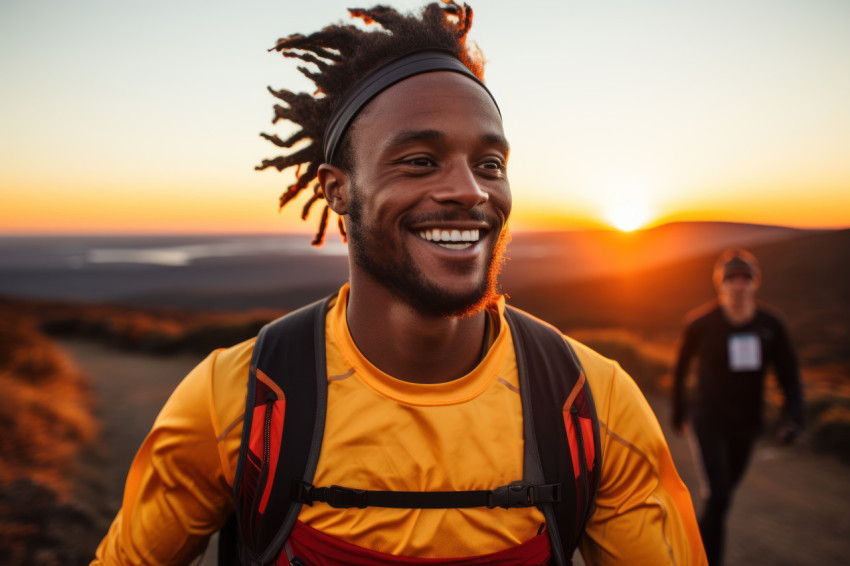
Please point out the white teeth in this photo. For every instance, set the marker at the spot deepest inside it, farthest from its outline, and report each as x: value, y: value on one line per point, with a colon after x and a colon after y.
x: 451, y: 239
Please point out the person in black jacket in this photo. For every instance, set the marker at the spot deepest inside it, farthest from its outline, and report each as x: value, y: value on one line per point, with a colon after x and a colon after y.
x: 735, y: 340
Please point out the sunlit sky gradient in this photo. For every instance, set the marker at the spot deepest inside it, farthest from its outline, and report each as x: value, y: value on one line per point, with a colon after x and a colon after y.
x: 144, y: 116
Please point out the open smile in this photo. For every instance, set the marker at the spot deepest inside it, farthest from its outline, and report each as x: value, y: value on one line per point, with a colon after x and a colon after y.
x: 451, y: 239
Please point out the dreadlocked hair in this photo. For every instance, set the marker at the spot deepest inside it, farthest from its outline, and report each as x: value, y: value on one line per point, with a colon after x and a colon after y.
x: 342, y: 55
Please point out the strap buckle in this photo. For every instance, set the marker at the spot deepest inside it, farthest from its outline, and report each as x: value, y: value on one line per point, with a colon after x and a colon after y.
x: 521, y: 494
x: 335, y: 495
x: 344, y: 497
x: 302, y: 492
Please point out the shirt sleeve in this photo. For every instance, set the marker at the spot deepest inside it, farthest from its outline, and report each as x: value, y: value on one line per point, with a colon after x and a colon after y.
x: 788, y: 374
x: 680, y: 373
x: 643, y: 513
x: 178, y: 491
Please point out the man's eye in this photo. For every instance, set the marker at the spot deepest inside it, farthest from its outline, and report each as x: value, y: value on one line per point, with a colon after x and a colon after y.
x: 420, y: 162
x: 493, y: 165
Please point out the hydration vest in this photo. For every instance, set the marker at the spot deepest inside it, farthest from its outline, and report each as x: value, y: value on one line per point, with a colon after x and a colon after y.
x: 284, y: 423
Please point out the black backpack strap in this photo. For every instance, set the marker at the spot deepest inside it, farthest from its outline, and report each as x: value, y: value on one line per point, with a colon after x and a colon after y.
x: 288, y: 380
x: 516, y: 494
x: 555, y: 399
x: 228, y: 547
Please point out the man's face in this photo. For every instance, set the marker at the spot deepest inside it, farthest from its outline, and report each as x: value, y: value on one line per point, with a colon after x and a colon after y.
x: 429, y: 195
x: 738, y: 289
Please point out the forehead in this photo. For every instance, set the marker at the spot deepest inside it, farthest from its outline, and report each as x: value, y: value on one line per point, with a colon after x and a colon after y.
x: 444, y: 101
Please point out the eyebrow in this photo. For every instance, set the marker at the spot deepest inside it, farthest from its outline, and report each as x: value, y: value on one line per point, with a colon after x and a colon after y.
x: 410, y: 136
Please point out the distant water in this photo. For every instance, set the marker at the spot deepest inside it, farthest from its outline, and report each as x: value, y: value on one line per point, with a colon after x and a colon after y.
x: 283, y: 270
x: 77, y: 252
x: 194, y: 271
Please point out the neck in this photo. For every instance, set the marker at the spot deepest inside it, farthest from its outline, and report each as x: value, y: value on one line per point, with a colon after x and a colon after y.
x: 406, y: 344
x: 738, y: 312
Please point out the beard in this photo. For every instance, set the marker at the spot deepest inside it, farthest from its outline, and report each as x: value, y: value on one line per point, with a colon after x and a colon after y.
x: 400, y: 275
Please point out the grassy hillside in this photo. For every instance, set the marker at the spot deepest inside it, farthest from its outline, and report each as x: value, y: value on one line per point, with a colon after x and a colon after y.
x: 153, y: 330
x: 45, y: 419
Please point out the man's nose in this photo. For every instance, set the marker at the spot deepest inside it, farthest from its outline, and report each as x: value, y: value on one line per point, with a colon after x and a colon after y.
x: 460, y: 186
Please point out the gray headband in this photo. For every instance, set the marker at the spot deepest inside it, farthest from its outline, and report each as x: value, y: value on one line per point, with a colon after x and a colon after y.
x: 381, y: 79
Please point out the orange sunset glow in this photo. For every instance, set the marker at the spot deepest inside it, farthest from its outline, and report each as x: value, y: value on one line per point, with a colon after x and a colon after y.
x: 153, y: 291
x: 631, y: 119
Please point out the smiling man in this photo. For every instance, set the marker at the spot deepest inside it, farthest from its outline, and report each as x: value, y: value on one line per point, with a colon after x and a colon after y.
x: 426, y: 206
x: 413, y: 417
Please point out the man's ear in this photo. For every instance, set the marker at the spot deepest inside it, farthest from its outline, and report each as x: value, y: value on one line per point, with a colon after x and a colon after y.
x: 336, y: 186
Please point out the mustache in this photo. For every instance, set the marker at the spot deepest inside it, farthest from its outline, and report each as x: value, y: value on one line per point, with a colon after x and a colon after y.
x: 478, y: 215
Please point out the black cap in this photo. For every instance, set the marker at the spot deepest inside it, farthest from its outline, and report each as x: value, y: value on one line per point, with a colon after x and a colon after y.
x: 738, y: 267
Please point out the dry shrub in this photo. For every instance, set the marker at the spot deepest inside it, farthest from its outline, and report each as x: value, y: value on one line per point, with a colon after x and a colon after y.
x: 830, y: 431
x: 826, y: 417
x: 647, y: 362
x: 45, y: 418
x: 141, y: 329
x: 45, y: 409
x: 827, y: 380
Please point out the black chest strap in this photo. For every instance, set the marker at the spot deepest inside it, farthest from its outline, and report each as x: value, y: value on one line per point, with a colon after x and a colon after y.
x: 516, y: 494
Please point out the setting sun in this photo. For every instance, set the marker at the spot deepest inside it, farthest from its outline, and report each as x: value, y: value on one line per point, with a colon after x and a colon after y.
x: 628, y: 215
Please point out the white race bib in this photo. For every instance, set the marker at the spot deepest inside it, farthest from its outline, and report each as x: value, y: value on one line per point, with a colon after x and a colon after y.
x: 744, y: 352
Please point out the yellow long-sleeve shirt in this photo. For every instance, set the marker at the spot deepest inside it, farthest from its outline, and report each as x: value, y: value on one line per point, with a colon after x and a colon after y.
x: 386, y: 434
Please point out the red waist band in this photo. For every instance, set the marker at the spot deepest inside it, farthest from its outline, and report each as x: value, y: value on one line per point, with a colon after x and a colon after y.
x: 318, y: 549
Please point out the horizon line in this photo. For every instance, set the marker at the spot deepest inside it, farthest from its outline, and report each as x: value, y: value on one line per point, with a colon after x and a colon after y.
x: 330, y: 238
